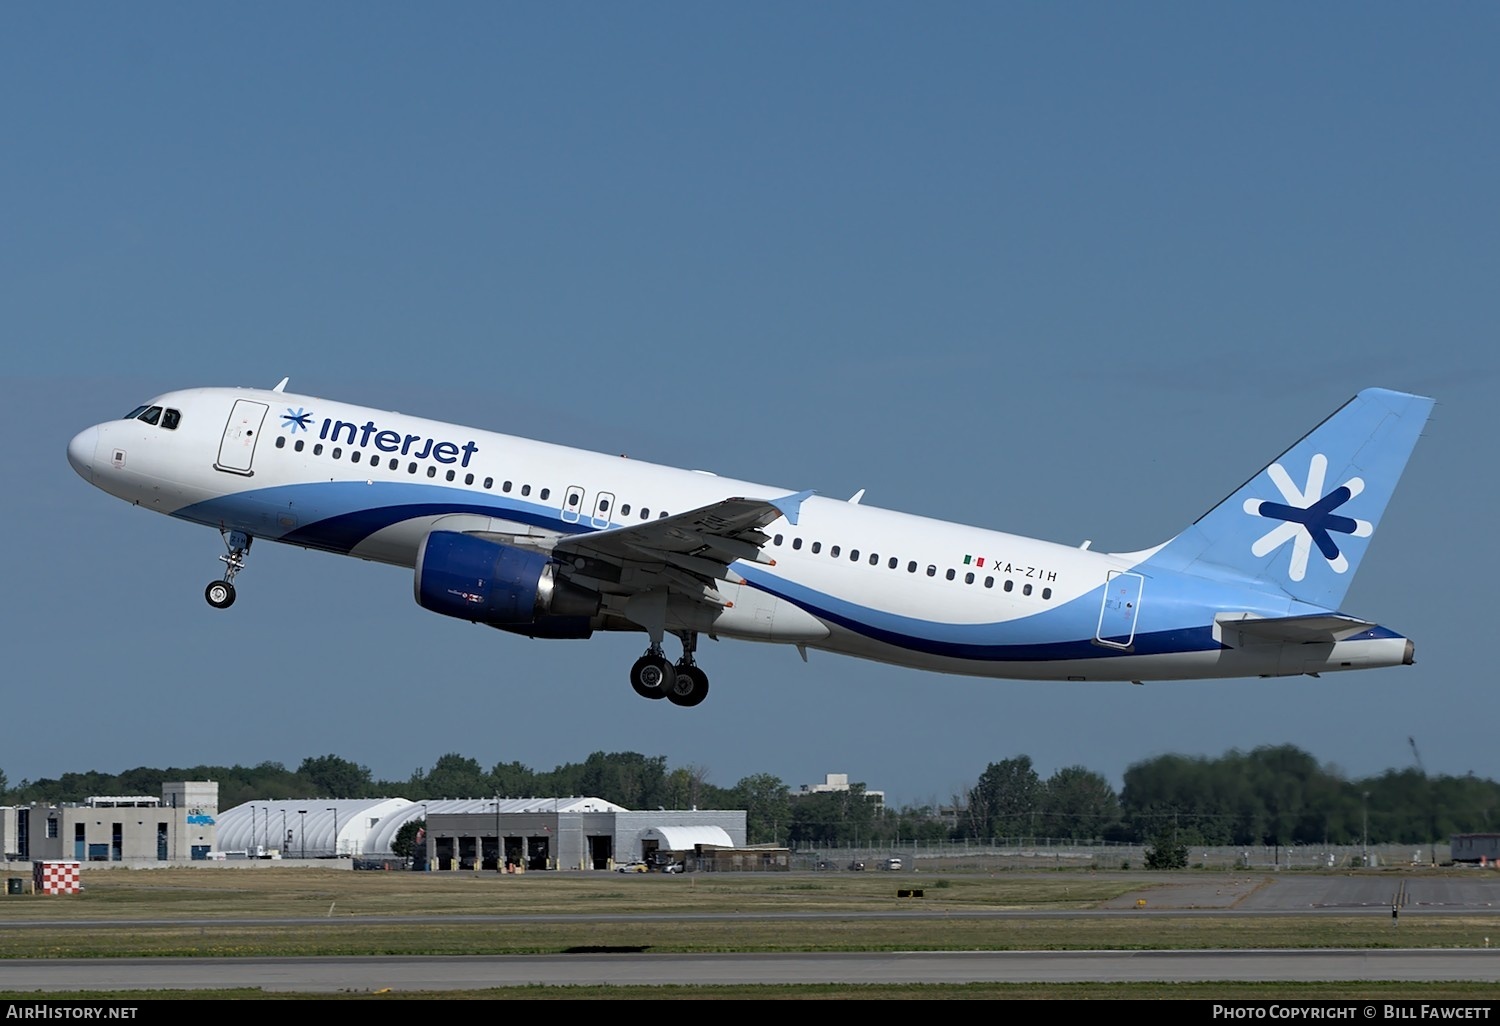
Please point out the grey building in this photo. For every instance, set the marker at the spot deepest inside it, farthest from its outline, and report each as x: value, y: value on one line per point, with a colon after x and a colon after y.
x: 570, y: 833
x: 178, y: 826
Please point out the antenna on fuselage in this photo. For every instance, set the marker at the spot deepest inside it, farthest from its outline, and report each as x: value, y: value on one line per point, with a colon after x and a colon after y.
x: 281, y: 385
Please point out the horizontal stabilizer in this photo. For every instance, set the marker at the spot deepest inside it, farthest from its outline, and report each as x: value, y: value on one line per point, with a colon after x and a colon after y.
x: 1323, y: 628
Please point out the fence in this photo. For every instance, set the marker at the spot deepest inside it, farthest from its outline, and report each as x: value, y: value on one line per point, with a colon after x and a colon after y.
x: 1046, y: 853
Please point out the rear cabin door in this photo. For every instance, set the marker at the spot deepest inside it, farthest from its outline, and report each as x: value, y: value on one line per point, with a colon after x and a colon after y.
x: 1120, y: 609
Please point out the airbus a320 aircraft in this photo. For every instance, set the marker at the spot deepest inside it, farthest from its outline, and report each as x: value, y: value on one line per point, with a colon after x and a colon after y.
x: 553, y: 542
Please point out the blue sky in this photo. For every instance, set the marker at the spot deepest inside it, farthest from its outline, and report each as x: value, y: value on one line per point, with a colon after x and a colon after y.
x: 1068, y: 270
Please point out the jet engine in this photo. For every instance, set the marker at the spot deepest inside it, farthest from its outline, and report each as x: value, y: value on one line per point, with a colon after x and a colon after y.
x: 517, y: 590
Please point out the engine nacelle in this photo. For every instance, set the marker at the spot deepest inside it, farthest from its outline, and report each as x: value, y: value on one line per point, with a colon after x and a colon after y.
x: 481, y: 581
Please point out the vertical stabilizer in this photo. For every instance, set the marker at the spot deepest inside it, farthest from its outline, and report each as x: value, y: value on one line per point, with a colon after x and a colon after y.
x: 1303, y: 523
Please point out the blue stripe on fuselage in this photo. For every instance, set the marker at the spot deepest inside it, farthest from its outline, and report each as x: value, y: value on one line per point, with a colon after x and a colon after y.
x: 1071, y: 626
x: 337, y: 515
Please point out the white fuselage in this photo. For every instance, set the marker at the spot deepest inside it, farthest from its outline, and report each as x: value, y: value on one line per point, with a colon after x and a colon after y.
x: 846, y: 577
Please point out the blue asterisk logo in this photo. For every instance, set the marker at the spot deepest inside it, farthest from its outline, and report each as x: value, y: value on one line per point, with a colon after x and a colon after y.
x: 1307, y: 517
x: 296, y: 420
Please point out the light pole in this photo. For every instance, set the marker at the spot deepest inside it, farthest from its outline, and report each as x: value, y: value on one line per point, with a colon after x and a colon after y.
x: 1365, y: 827
x: 303, y: 821
x: 499, y: 867
x: 252, y: 829
x: 286, y: 835
x: 335, y: 811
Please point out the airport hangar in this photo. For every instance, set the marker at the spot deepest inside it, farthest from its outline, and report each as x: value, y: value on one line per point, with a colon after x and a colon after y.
x: 533, y: 833
x: 471, y: 833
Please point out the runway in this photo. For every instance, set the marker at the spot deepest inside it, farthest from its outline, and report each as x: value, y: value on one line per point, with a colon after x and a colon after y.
x: 325, y: 975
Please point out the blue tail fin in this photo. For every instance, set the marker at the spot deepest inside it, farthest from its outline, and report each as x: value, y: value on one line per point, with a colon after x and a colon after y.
x: 1303, y: 523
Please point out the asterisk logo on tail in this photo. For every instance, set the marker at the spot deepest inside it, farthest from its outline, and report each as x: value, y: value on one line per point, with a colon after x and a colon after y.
x: 1307, y: 517
x: 296, y: 419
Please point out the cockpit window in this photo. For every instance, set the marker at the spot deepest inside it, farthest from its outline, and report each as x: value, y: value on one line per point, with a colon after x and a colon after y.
x: 151, y: 416
x: 170, y: 418
x: 134, y: 413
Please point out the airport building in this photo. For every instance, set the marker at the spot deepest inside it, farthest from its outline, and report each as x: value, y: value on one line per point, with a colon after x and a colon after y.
x: 574, y: 833
x: 177, y: 827
x: 467, y: 833
x: 515, y: 834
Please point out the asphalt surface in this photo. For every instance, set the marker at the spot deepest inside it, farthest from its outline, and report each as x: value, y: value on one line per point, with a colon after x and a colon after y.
x: 1247, y: 894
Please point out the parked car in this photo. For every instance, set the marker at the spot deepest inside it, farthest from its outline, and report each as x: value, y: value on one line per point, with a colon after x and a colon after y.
x: 856, y: 866
x: 893, y: 864
x: 632, y: 867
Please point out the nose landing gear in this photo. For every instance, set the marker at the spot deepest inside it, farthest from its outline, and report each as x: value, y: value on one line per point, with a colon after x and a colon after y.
x: 220, y: 594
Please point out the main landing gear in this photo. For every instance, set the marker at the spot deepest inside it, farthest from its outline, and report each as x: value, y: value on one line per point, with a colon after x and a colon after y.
x: 220, y: 594
x: 684, y: 684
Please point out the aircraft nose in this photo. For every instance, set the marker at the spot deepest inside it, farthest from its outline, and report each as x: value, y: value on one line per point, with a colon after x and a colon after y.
x: 81, y: 452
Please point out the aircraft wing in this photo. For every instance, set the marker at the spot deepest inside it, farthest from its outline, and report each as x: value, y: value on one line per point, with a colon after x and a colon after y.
x: 686, y: 552
x: 1324, y: 628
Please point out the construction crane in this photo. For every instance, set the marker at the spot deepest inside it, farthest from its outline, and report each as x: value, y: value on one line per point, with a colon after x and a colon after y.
x: 1416, y: 755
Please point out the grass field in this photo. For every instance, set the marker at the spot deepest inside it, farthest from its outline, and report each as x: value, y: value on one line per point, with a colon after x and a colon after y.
x: 309, y: 911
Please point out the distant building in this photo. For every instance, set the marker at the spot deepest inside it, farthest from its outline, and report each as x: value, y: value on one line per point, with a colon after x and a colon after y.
x: 1474, y: 847
x: 178, y: 826
x: 477, y: 833
x: 840, y: 782
x: 574, y: 833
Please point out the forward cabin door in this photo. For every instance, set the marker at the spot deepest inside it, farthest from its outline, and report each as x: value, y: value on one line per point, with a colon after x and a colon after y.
x: 237, y: 449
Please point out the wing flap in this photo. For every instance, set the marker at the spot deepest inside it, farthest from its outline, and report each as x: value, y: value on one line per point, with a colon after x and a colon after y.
x: 687, y: 551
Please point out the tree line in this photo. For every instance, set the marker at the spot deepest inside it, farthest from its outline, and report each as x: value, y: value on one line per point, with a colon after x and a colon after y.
x: 1271, y: 795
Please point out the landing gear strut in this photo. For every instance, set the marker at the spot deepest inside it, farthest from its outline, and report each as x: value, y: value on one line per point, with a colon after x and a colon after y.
x: 691, y: 684
x: 684, y: 684
x: 220, y: 594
